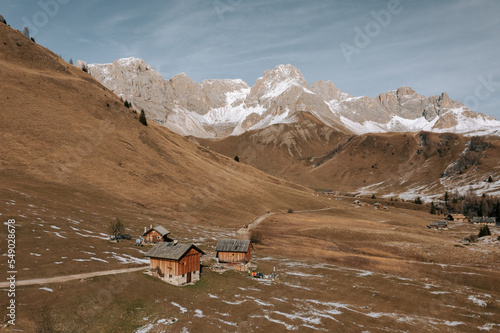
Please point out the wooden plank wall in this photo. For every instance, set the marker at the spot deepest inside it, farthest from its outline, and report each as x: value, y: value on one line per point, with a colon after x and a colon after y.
x: 152, y: 237
x: 234, y: 257
x: 189, y: 263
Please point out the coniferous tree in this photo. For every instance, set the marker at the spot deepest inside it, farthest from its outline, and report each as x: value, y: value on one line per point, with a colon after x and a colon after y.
x: 116, y: 227
x: 71, y: 61
x: 142, y: 118
x: 2, y: 19
x: 484, y: 231
x: 236, y: 158
x: 433, y: 209
x: 490, y: 179
x: 26, y: 32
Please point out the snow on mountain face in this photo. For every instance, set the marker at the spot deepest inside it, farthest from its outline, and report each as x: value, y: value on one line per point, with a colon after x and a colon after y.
x: 219, y: 108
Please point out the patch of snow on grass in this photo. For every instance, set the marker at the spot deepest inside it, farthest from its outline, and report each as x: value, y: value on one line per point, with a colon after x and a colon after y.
x: 287, y: 326
x: 477, y: 301
x: 364, y: 273
x: 260, y: 302
x: 304, y: 274
x: 295, y: 286
x: 487, y: 327
x: 235, y: 303
x: 99, y: 259
x: 227, y: 322
x: 453, y: 323
x: 309, y: 320
x: 181, y: 308
x: 128, y: 259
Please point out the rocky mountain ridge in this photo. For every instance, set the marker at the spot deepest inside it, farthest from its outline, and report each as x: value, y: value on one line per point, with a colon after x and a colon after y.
x: 221, y: 108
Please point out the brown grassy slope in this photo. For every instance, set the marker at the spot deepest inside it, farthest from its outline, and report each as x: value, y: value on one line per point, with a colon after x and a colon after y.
x: 61, y: 126
x: 393, y: 241
x: 278, y: 148
x: 306, y: 152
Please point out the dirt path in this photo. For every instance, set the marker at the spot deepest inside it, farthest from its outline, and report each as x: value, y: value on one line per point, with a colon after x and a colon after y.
x: 312, y: 210
x: 72, y: 277
x: 245, y: 232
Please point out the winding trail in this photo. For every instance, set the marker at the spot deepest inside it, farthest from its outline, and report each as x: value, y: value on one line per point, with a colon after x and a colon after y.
x: 245, y: 232
x: 66, y: 278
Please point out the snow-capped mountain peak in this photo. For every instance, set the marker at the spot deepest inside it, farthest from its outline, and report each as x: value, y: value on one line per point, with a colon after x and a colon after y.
x: 218, y: 108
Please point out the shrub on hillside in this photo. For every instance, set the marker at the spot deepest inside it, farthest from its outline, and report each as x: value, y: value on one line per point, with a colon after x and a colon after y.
x: 255, y: 237
x: 290, y: 211
x: 484, y: 231
x: 116, y: 227
x: 26, y: 32
x: 469, y: 239
x: 2, y: 19
x: 142, y: 118
x: 433, y: 209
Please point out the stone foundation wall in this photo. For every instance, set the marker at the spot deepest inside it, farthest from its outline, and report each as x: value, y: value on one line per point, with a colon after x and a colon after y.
x: 179, y: 280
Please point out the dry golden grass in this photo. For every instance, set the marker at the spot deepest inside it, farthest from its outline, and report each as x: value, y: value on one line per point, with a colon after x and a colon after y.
x: 289, y: 151
x: 394, y: 241
x: 74, y: 158
x: 61, y: 127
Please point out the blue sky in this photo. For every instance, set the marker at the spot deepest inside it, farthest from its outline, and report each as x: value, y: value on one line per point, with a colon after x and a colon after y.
x: 364, y: 47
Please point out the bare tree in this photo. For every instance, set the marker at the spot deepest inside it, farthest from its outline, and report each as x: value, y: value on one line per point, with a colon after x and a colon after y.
x: 26, y: 32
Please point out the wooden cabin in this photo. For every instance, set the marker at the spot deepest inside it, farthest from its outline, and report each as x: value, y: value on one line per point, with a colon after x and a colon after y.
x: 485, y: 220
x: 177, y: 264
x: 438, y: 225
x: 456, y: 217
x: 155, y: 234
x: 234, y: 253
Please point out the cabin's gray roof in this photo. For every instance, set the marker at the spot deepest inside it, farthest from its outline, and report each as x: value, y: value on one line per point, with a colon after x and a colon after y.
x: 484, y: 219
x: 170, y: 250
x: 159, y: 229
x: 438, y: 222
x: 232, y: 245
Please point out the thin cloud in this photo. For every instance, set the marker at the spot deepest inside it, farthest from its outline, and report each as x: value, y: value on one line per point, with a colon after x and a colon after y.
x: 431, y: 46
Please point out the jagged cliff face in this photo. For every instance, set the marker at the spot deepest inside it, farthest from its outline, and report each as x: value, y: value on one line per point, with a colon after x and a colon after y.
x: 221, y: 108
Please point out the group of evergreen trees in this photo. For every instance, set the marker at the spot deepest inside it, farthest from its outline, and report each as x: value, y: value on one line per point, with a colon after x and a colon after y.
x: 472, y: 205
